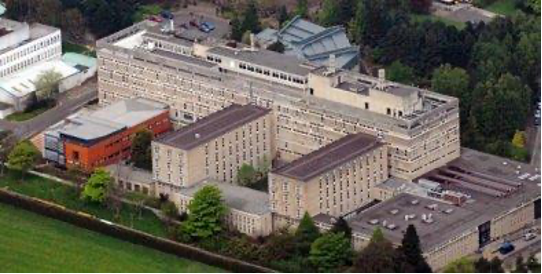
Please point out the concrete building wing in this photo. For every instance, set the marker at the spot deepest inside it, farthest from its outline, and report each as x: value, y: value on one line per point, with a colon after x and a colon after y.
x: 212, y: 126
x: 237, y: 197
x: 329, y: 157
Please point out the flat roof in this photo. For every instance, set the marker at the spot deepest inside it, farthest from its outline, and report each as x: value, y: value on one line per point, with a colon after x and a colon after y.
x: 329, y: 157
x: 264, y: 58
x: 23, y: 82
x: 126, y: 172
x: 237, y: 197
x: 213, y: 126
x: 478, y: 209
x: 113, y: 118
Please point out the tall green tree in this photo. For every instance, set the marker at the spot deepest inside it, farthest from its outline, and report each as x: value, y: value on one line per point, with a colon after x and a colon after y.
x: 462, y: 265
x: 482, y: 265
x: 302, y: 8
x: 330, y: 251
x: 251, y: 20
x: 341, y: 226
x: 282, y: 15
x: 378, y: 256
x: 141, y: 155
x: 450, y: 81
x: 502, y: 106
x: 520, y: 266
x: 400, y: 73
x: 23, y: 157
x: 236, y: 29
x: 306, y: 233
x: 47, y: 84
x: 206, y: 211
x: 7, y: 142
x: 246, y: 175
x: 411, y: 249
x: 329, y: 15
x: 98, y: 186
x: 371, y: 22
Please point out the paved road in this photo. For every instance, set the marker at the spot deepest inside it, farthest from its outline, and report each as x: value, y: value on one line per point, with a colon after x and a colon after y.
x: 535, y: 158
x: 68, y: 103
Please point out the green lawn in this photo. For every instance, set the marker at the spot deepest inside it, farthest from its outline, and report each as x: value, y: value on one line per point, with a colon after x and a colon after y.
x: 71, y: 47
x: 27, y: 115
x: 426, y: 17
x: 503, y: 7
x: 33, y: 243
x: 67, y: 196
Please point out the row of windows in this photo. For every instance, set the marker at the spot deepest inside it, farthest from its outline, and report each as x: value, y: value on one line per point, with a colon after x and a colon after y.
x: 274, y: 74
x: 28, y: 50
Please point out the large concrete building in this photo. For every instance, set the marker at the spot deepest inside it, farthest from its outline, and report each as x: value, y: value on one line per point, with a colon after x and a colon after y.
x: 22, y: 45
x: 311, y: 106
x: 333, y: 180
x: 214, y: 147
x: 495, y: 201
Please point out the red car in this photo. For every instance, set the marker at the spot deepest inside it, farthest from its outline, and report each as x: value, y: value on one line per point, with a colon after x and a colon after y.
x: 155, y: 18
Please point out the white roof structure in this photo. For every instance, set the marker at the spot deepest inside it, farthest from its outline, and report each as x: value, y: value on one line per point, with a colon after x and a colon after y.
x: 113, y: 118
x: 23, y: 83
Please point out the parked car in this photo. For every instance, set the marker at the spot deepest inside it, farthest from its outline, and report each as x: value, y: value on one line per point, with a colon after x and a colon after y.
x: 506, y: 248
x: 209, y: 25
x: 166, y: 14
x: 155, y: 18
x: 204, y: 28
x: 529, y: 236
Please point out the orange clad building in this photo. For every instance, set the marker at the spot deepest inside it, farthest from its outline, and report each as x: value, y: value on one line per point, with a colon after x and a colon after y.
x: 105, y: 136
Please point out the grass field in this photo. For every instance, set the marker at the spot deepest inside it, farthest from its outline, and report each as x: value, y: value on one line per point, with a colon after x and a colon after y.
x: 424, y: 17
x: 67, y: 196
x: 503, y: 7
x: 27, y: 115
x: 33, y: 243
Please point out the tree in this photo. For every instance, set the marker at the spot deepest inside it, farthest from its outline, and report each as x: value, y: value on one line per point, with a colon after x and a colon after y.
x: 496, y: 265
x: 400, y: 73
x: 97, y: 187
x: 533, y: 264
x: 330, y: 251
x: 341, y: 226
x: 47, y: 84
x: 48, y: 12
x: 73, y: 24
x: 277, y: 47
x: 520, y: 267
x: 246, y: 175
x: 412, y: 251
x: 421, y: 6
x: 251, y: 20
x: 378, y: 256
x: 282, y: 15
x: 462, y: 265
x: 141, y: 155
x: 329, y: 15
x: 450, y: 81
x: 502, y: 106
x: 7, y: 142
x: 371, y: 22
x: 23, y: 157
x: 519, y: 139
x: 236, y: 29
x: 206, y: 210
x: 302, y: 8
x: 169, y: 209
x: 306, y: 234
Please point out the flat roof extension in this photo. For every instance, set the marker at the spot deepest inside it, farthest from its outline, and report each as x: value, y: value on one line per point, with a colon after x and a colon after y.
x: 213, y: 126
x: 329, y: 157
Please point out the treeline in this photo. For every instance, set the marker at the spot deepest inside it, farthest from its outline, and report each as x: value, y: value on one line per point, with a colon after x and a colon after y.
x: 100, y: 17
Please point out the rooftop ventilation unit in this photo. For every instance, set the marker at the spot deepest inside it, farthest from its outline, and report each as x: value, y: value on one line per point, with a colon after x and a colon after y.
x: 374, y: 222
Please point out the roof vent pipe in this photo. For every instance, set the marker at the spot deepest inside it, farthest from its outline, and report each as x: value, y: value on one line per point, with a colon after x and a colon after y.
x: 252, y: 42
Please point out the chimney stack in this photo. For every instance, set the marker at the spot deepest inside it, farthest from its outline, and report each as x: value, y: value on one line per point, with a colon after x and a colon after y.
x: 332, y: 63
x: 381, y: 78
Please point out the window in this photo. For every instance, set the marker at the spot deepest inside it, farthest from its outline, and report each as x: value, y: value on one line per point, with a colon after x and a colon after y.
x: 366, y: 105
